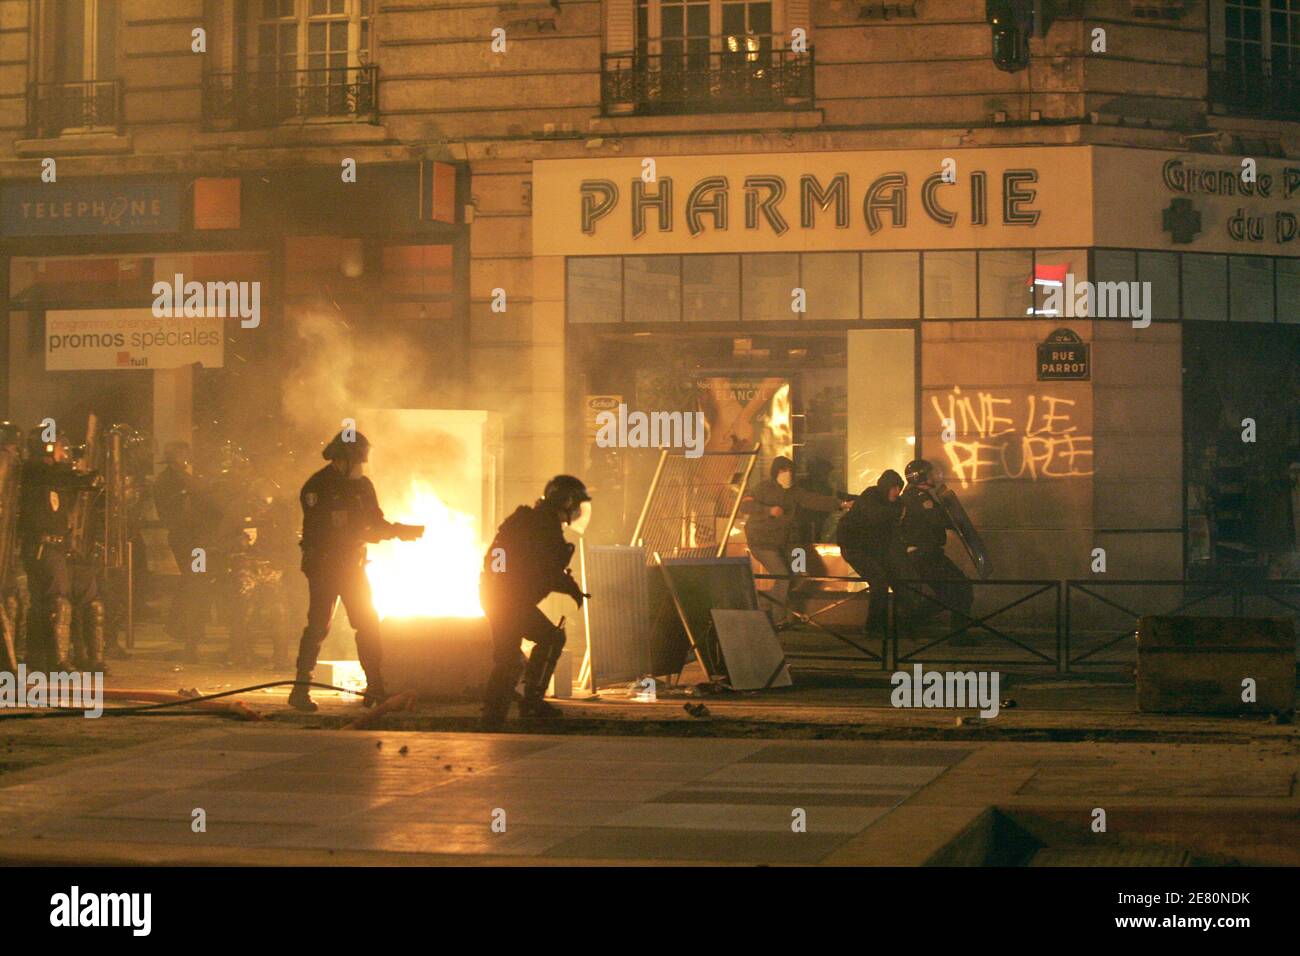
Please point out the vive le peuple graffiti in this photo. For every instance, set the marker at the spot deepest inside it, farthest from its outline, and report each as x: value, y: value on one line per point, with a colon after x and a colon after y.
x: 991, y: 438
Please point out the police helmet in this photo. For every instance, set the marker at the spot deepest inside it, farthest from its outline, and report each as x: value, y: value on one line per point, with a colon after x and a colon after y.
x: 919, y: 471
x: 38, y: 447
x: 10, y: 434
x: 347, y: 445
x: 565, y: 493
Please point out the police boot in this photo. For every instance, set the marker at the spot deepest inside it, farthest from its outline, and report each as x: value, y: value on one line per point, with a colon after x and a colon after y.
x: 376, y: 692
x: 537, y: 676
x: 92, y: 637
x: 61, y: 634
x: 500, y: 693
x: 300, y: 696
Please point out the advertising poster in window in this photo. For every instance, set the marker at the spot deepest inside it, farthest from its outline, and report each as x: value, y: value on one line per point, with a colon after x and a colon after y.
x: 81, y: 339
x: 743, y: 410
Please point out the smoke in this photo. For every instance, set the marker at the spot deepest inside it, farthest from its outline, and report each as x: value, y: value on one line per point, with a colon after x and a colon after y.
x: 334, y: 371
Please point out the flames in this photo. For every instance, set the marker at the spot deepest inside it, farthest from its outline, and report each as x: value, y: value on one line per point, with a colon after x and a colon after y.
x: 436, y: 576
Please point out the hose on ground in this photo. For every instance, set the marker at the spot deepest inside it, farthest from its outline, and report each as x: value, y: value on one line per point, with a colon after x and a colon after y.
x: 179, y: 702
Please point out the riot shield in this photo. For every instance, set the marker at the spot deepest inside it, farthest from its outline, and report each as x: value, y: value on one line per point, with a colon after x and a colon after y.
x: 943, y: 496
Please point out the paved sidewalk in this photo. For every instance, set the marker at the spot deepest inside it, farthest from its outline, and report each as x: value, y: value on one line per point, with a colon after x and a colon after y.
x: 275, y: 796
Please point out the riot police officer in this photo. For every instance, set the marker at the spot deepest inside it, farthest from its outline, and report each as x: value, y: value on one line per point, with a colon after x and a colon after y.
x: 923, y: 531
x: 527, y: 560
x: 48, y: 488
x: 340, y: 514
x: 189, y: 512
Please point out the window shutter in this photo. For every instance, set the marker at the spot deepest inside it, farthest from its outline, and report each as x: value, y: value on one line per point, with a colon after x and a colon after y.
x: 619, y: 18
x: 797, y: 15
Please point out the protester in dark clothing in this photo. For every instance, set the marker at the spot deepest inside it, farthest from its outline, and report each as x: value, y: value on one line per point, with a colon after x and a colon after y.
x: 868, y: 540
x: 769, y: 529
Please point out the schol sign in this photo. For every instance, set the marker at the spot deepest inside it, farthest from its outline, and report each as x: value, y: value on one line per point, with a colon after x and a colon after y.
x: 89, y: 208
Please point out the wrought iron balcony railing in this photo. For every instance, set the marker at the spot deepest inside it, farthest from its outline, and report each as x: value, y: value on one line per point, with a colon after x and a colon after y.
x: 81, y: 106
x: 1255, y: 89
x: 726, y: 74
x: 258, y: 100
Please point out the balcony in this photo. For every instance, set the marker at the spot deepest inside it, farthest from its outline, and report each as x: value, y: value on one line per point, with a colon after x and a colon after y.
x: 717, y: 78
x: 260, y: 100
x: 81, y: 106
x: 1268, y: 90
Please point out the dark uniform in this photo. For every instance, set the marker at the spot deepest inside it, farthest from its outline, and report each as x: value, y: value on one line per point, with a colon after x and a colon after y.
x: 56, y: 587
x: 868, y: 540
x: 191, y: 518
x: 260, y: 555
x: 340, y: 515
x: 527, y: 560
x: 923, y: 531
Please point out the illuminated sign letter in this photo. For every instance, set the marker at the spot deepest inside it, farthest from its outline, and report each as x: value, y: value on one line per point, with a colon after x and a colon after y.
x: 698, y: 204
x: 775, y: 187
x: 812, y: 196
x: 888, y: 192
x: 599, y: 197
x: 930, y: 202
x: 661, y: 201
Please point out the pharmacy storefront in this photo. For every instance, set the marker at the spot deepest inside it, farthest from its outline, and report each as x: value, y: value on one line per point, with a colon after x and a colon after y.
x: 1022, y: 316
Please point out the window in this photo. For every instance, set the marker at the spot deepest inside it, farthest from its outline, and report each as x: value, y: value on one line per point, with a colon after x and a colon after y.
x: 316, y: 35
x: 1205, y: 287
x: 676, y: 56
x: 949, y: 285
x: 1288, y: 290
x: 78, y: 92
x: 830, y: 281
x: 85, y: 40
x: 891, y: 285
x: 595, y: 292
x: 652, y: 289
x: 1255, y: 53
x: 1005, y: 287
x: 768, y: 284
x: 1250, y: 283
x: 711, y: 288
x: 1161, y: 270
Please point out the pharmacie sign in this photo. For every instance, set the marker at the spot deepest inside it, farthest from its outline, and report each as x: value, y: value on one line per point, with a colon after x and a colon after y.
x: 827, y: 200
x: 1063, y: 356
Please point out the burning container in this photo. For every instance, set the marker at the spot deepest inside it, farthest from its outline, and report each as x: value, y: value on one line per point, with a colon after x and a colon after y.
x: 440, y: 469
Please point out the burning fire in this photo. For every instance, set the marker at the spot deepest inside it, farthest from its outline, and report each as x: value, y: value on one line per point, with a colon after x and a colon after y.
x: 436, y: 576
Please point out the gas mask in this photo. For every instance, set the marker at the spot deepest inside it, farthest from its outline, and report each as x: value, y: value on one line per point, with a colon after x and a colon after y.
x: 785, y: 479
x: 578, y: 523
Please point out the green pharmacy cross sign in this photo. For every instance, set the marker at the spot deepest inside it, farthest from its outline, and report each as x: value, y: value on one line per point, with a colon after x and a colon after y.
x: 1064, y: 357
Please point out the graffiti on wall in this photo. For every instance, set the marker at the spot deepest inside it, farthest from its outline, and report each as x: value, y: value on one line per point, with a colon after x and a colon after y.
x: 989, y: 438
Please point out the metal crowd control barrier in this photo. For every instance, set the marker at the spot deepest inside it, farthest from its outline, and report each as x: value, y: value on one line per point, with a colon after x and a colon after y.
x: 1220, y: 598
x: 1063, y: 620
x: 802, y: 618
x: 914, y: 591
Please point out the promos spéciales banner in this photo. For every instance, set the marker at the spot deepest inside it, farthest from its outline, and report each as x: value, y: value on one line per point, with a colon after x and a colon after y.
x: 81, y: 339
